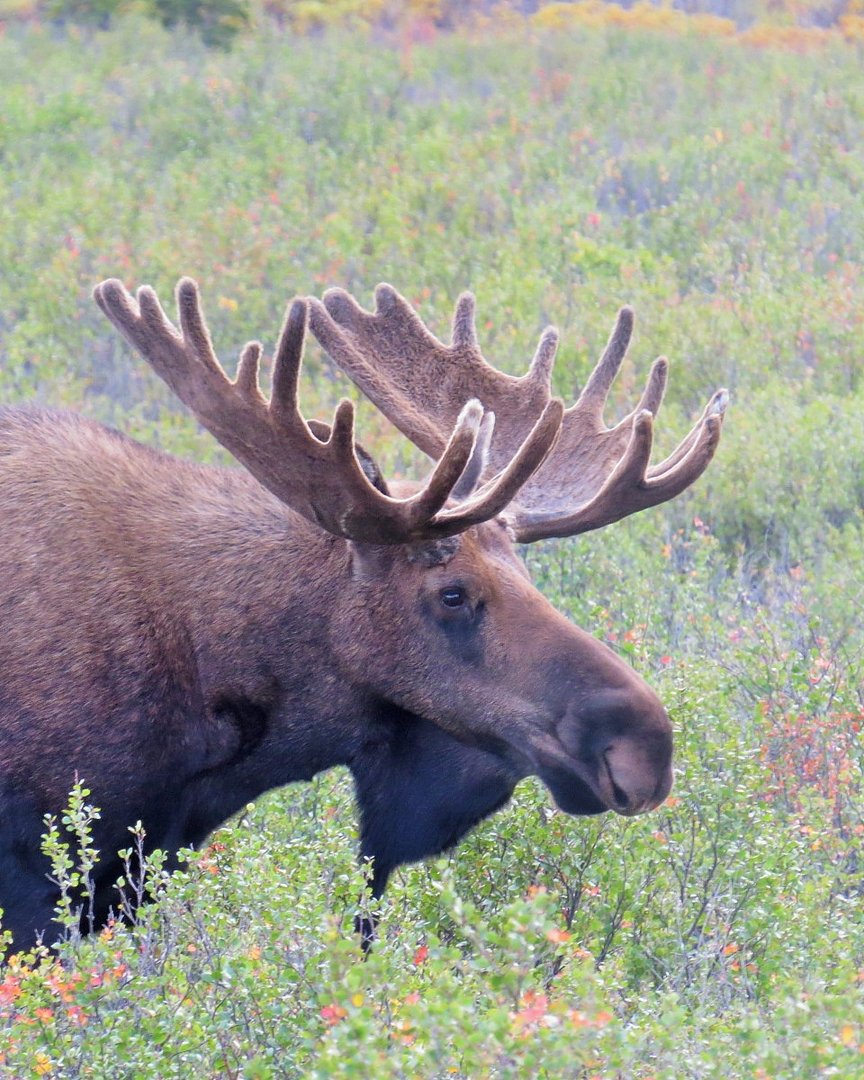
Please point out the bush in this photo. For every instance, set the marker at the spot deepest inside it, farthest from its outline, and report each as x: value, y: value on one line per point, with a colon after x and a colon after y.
x: 217, y: 21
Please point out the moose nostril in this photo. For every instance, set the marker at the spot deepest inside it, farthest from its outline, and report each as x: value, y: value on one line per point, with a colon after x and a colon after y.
x: 622, y: 799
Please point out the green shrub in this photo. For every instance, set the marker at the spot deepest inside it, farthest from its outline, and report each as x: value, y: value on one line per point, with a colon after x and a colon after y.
x: 217, y: 21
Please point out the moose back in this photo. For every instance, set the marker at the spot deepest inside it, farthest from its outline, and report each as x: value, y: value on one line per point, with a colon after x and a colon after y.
x: 184, y: 638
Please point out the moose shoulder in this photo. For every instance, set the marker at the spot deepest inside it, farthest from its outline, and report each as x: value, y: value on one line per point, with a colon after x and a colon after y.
x: 184, y: 638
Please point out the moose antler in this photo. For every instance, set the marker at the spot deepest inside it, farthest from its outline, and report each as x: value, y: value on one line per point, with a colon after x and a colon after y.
x: 594, y: 476
x: 313, y: 467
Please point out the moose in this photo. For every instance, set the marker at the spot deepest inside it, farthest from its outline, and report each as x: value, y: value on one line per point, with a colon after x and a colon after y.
x: 183, y: 638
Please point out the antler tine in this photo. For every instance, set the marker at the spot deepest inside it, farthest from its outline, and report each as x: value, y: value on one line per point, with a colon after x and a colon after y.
x: 596, y: 390
x: 150, y: 312
x: 342, y: 307
x: 716, y: 407
x: 666, y: 485
x: 192, y: 325
x: 652, y: 395
x: 631, y: 469
x: 401, y: 319
x: 287, y: 364
x: 117, y: 304
x: 498, y: 493
x: 655, y: 387
x: 452, y: 463
x: 464, y: 331
x: 540, y: 369
x: 247, y: 371
x: 342, y: 430
x: 476, y: 466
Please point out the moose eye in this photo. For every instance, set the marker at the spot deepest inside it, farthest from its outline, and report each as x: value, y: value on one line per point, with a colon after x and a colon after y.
x: 453, y: 596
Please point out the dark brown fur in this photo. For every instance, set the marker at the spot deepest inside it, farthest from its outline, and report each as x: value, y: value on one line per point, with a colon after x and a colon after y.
x: 181, y: 641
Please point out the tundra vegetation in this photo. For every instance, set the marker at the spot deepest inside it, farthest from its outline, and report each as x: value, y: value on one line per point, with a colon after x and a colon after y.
x: 713, y: 184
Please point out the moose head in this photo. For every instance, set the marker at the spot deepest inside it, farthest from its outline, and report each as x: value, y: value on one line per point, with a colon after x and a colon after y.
x: 316, y: 615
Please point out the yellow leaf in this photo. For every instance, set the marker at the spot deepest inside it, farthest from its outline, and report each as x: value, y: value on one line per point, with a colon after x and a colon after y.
x: 42, y: 1064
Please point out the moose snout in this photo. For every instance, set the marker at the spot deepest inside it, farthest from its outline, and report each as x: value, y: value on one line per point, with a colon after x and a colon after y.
x: 623, y: 742
x: 634, y: 776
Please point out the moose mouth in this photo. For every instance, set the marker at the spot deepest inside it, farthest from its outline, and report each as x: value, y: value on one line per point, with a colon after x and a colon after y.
x: 582, y: 788
x: 572, y: 794
x: 574, y: 789
x: 616, y: 778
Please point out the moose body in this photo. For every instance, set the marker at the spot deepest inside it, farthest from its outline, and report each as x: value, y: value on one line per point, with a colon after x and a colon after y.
x: 184, y: 638
x: 184, y: 669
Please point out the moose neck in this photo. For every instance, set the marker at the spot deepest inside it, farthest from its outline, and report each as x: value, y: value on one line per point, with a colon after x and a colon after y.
x: 258, y: 586
x: 243, y: 588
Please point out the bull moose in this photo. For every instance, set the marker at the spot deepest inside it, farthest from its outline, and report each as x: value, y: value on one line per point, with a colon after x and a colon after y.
x: 184, y: 638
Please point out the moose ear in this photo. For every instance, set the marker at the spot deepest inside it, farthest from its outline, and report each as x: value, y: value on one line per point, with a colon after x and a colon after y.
x: 370, y: 468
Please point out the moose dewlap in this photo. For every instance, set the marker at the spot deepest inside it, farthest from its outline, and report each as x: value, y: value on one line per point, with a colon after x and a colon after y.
x: 184, y: 638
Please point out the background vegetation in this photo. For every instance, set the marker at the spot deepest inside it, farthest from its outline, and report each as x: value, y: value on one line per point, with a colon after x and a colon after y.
x: 557, y: 168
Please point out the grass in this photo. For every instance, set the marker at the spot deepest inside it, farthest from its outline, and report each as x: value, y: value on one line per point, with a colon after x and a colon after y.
x: 716, y: 188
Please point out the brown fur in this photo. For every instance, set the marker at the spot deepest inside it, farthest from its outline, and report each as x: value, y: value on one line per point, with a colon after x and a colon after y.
x: 182, y: 641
